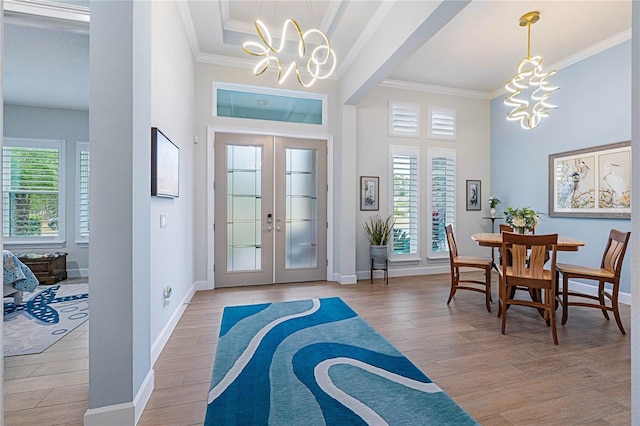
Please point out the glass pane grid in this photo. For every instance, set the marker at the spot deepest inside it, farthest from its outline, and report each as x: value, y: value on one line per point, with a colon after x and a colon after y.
x: 244, y: 208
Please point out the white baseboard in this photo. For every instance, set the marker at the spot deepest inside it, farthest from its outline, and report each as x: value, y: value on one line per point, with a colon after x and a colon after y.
x: 202, y: 285
x: 78, y: 273
x: 405, y: 272
x: 163, y: 338
x: 345, y: 279
x: 125, y: 414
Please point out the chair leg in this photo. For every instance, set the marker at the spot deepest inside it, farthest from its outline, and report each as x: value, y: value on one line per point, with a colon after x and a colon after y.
x: 565, y: 298
x: 601, y: 288
x: 454, y: 284
x: 503, y: 311
x: 487, y: 280
x: 616, y: 312
x: 554, y: 332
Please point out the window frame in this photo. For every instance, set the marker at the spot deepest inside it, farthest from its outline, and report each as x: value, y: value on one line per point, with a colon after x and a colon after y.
x: 431, y: 110
x: 259, y: 90
x: 80, y: 148
x: 40, y: 241
x: 410, y: 151
x: 391, y: 130
x: 431, y: 154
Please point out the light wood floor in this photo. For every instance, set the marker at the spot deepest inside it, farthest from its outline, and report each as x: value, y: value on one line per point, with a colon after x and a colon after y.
x: 520, y: 378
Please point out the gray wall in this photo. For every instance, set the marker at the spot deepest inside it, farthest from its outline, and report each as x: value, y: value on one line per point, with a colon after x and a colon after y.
x: 72, y: 126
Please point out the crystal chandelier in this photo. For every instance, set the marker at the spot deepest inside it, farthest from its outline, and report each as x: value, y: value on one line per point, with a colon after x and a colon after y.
x: 532, y: 105
x: 320, y: 60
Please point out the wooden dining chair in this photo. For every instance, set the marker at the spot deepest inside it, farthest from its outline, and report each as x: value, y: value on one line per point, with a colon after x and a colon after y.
x: 528, y: 271
x: 608, y: 273
x: 458, y: 262
x: 504, y: 228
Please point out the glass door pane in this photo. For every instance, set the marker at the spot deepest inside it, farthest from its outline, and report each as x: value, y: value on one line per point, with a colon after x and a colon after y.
x: 301, y: 210
x: 244, y: 207
x: 301, y: 217
x: 243, y: 237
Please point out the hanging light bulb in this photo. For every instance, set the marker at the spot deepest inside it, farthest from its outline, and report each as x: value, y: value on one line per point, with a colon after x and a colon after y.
x: 320, y: 61
x: 530, y: 77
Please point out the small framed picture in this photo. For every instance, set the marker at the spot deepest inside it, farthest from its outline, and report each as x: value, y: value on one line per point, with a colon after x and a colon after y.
x: 369, y: 196
x: 473, y: 195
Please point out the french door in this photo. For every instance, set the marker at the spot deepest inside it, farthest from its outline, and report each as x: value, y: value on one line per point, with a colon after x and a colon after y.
x: 271, y: 210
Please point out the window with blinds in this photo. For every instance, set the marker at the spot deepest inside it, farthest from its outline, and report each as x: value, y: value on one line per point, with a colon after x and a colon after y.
x: 405, y: 190
x: 32, y: 185
x: 404, y: 119
x: 441, y: 199
x: 82, y: 192
x: 442, y: 123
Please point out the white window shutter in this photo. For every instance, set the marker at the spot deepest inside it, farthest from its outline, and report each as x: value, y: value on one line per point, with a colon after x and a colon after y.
x: 82, y: 192
x: 442, y: 199
x: 405, y: 202
x: 404, y: 120
x: 442, y: 123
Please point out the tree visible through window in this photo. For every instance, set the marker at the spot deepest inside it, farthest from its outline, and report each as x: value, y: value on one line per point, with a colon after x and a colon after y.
x: 442, y: 196
x: 405, y: 190
x: 31, y: 190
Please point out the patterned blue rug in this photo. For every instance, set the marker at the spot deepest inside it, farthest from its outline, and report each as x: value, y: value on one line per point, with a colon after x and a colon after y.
x: 46, y: 315
x: 316, y: 362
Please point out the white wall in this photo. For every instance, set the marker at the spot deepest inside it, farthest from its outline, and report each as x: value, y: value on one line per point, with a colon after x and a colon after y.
x: 72, y: 126
x: 172, y: 111
x: 473, y: 162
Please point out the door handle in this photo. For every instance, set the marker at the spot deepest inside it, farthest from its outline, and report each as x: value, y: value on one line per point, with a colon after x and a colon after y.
x: 278, y: 228
x: 268, y: 229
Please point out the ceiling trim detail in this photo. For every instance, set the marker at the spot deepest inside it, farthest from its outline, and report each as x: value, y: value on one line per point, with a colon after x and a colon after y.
x: 229, y: 24
x: 374, y: 22
x: 439, y: 90
x: 189, y: 28
x: 48, y: 9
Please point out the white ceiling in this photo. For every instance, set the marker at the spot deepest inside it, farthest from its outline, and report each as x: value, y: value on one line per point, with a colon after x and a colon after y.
x: 477, y: 51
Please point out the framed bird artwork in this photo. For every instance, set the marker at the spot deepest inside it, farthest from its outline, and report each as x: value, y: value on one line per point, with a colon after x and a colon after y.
x: 593, y: 182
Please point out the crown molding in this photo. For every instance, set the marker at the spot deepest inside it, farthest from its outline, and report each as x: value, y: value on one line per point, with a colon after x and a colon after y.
x: 187, y: 20
x: 374, y: 22
x: 47, y: 15
x: 605, y: 44
x: 431, y: 88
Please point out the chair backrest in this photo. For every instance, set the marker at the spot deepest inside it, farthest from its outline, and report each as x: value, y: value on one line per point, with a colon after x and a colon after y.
x: 453, y: 248
x: 614, y: 252
x: 505, y: 228
x: 529, y: 255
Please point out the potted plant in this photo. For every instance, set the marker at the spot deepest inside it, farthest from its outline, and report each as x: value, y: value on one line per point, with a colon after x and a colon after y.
x: 378, y: 232
x: 493, y: 203
x: 522, y: 219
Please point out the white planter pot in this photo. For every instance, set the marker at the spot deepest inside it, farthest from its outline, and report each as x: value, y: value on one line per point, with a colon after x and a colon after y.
x: 379, y: 256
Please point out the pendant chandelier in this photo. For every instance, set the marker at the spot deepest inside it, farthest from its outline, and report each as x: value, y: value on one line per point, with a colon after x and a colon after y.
x: 316, y: 63
x: 529, y: 90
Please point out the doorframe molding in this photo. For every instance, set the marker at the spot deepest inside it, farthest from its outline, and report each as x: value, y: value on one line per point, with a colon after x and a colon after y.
x: 212, y: 129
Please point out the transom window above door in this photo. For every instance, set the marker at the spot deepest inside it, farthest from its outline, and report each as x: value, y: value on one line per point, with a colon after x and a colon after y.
x: 261, y: 103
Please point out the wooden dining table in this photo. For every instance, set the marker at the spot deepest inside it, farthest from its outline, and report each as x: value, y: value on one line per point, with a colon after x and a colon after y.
x: 489, y: 239
x: 493, y: 240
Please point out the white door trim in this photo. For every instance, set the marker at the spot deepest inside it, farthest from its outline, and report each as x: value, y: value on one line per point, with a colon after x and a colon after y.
x: 211, y: 130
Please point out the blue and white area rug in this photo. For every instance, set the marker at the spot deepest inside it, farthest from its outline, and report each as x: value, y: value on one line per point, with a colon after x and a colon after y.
x: 316, y: 362
x: 46, y: 315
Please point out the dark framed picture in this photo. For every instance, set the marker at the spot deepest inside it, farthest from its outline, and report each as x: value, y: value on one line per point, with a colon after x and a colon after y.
x: 165, y: 165
x: 369, y: 192
x: 473, y: 195
x: 592, y: 182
